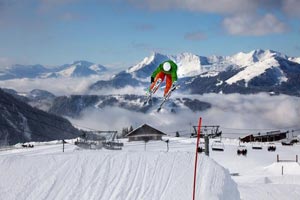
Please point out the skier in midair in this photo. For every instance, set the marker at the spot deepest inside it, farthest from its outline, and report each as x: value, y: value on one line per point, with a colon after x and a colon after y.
x: 168, y: 70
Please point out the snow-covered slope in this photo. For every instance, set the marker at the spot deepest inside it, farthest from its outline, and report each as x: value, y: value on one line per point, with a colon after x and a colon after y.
x: 256, y: 63
x: 111, y: 175
x: 147, y: 171
x: 188, y: 64
x: 297, y: 60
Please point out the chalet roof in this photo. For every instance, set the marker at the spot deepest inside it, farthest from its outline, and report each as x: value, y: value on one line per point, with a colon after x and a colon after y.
x: 267, y: 134
x: 271, y: 133
x: 144, y: 130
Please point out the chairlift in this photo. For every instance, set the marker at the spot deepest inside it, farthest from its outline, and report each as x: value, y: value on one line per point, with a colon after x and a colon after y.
x: 242, y: 150
x: 112, y: 143
x: 201, y: 147
x: 271, y: 147
x: 289, y: 142
x: 83, y: 144
x: 217, y: 146
x: 90, y: 140
x: 257, y: 146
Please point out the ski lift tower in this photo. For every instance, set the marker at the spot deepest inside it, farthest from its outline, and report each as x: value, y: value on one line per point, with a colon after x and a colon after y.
x: 207, y: 132
x: 111, y: 142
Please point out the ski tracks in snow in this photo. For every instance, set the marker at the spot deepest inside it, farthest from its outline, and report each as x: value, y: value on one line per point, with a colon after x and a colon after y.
x: 111, y: 175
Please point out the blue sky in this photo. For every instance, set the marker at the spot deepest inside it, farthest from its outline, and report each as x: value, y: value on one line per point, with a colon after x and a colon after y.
x: 120, y: 33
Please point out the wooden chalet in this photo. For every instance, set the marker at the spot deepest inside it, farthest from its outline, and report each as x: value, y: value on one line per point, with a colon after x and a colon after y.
x: 265, y: 137
x: 145, y: 133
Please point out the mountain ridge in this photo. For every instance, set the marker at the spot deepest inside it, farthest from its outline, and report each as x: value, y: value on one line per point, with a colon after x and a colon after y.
x: 22, y: 123
x: 240, y: 73
x: 255, y: 71
x: 79, y: 68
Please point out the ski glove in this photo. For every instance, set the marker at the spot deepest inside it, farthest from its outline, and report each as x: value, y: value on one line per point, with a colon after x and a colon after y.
x: 152, y: 79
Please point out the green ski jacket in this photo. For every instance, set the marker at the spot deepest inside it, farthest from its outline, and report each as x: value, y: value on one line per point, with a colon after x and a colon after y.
x: 173, y: 70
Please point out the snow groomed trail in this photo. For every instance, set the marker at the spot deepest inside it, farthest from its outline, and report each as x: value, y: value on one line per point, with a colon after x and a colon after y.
x: 111, y: 175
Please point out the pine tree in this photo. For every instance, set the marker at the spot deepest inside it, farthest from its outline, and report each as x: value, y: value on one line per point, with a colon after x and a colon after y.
x: 130, y: 129
x: 124, y: 132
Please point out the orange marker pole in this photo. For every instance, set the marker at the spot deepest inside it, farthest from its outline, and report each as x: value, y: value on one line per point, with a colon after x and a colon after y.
x: 196, y: 157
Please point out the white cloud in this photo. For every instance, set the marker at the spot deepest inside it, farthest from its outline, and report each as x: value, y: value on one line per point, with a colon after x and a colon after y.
x: 67, y: 86
x: 221, y: 6
x: 259, y: 111
x: 57, y: 86
x: 252, y: 25
x: 4, y: 62
x: 236, y: 114
x: 121, y: 91
x: 291, y: 7
x: 241, y: 16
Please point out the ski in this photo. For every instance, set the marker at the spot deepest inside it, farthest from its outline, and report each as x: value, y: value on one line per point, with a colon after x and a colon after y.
x: 148, y: 98
x: 166, y: 98
x: 151, y: 92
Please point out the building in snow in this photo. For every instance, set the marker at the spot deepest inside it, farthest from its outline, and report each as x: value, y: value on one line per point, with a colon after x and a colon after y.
x: 145, y: 133
x: 265, y: 137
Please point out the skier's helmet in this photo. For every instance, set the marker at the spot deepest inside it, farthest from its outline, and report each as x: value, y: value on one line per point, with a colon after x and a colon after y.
x: 167, y: 66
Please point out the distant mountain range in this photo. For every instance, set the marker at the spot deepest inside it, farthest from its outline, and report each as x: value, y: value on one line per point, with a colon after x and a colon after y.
x: 245, y: 73
x: 76, y: 69
x: 253, y: 72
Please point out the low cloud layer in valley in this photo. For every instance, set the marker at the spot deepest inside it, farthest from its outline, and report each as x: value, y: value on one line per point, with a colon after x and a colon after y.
x: 57, y: 86
x: 236, y: 114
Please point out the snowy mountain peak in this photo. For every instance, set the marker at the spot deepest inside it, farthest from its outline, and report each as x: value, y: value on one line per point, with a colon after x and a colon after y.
x: 189, y: 64
x: 256, y: 63
x: 256, y: 67
x: 153, y: 58
x: 79, y: 68
x: 263, y: 54
x: 88, y: 65
x: 258, y: 55
x: 82, y: 62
